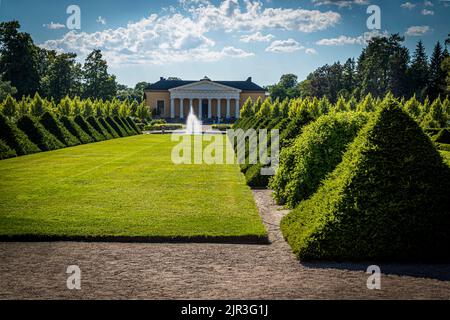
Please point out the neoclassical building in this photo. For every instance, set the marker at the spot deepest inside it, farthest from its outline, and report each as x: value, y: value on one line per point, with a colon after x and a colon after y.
x: 211, y: 100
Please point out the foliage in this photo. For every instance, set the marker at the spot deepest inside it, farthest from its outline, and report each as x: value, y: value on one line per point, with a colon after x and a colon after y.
x: 52, y: 125
x: 98, y: 127
x: 86, y: 127
x: 38, y: 134
x: 5, y: 151
x: 15, y: 138
x: 76, y: 130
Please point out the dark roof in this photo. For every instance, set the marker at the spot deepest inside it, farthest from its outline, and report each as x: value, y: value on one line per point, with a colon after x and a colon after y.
x: 164, y: 84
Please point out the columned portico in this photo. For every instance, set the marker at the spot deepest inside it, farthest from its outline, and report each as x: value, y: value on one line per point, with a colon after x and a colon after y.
x: 206, y: 92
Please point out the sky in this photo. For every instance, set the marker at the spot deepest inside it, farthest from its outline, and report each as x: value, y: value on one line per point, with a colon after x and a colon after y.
x: 143, y: 40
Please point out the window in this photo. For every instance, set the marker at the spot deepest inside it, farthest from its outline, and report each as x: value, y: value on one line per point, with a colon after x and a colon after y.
x: 160, y: 108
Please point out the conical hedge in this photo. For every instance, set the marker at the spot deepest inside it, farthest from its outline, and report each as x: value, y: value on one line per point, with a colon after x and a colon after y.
x: 133, y: 125
x: 52, y: 125
x: 388, y: 199
x: 120, y: 131
x: 79, y: 120
x: 443, y: 136
x: 314, y: 154
x: 38, y: 134
x: 107, y: 126
x: 98, y: 127
x: 75, y: 130
x: 125, y: 128
x: 15, y: 138
x: 5, y: 151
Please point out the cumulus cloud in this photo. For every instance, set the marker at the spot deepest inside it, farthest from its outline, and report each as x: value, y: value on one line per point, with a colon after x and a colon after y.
x: 54, y: 26
x: 428, y: 4
x: 310, y: 51
x: 340, y: 3
x: 427, y: 12
x: 284, y: 46
x: 101, y: 20
x: 417, y: 31
x: 347, y: 40
x: 408, y: 5
x: 178, y: 37
x: 257, y: 37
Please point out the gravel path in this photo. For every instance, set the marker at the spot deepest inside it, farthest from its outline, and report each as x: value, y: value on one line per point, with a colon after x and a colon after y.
x: 203, y: 271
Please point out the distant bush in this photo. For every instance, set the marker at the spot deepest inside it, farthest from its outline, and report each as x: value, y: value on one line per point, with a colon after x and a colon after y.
x: 99, y: 128
x: 119, y: 130
x: 157, y: 121
x: 15, y: 138
x: 96, y: 136
x: 5, y: 151
x: 222, y: 127
x: 314, y: 154
x: 76, y: 130
x: 108, y: 127
x: 382, y: 202
x: 52, y: 125
x: 167, y: 127
x: 38, y: 134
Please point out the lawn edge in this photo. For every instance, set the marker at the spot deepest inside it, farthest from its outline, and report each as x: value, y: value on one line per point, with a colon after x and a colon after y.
x: 247, y: 239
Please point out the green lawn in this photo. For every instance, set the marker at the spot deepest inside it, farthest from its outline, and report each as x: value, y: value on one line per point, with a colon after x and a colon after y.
x: 126, y: 187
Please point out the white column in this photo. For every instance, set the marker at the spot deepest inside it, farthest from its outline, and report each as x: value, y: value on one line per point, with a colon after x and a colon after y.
x: 228, y: 108
x: 219, y: 107
x: 238, y: 109
x: 209, y: 109
x: 172, y: 108
x: 181, y: 108
x: 200, y: 108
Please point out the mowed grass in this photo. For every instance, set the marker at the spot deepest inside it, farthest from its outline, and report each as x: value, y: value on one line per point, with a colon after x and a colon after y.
x: 123, y: 188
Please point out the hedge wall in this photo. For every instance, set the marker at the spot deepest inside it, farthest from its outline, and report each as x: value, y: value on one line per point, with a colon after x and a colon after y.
x: 314, y: 154
x: 387, y: 200
x: 38, y: 134
x: 52, y: 125
x: 76, y: 130
x: 15, y: 138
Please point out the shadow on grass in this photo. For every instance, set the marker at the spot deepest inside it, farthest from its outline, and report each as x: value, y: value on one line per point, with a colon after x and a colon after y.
x: 438, y: 271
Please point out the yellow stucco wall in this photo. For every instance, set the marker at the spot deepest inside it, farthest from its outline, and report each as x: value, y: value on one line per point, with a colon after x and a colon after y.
x: 151, y: 100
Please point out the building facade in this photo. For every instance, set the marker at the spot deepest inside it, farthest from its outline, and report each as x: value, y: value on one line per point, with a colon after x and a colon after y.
x: 210, y: 100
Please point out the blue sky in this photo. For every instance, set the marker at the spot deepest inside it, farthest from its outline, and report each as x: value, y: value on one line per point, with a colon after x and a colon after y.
x: 225, y: 40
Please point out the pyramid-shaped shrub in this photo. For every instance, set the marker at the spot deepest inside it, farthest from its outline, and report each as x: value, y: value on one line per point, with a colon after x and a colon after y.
x: 388, y: 199
x: 38, y: 134
x: 133, y: 125
x: 15, y: 138
x: 443, y: 136
x: 314, y: 154
x: 75, y: 130
x: 120, y: 131
x: 5, y: 151
x: 108, y: 127
x: 98, y: 127
x: 52, y: 125
x: 96, y: 136
x: 125, y: 128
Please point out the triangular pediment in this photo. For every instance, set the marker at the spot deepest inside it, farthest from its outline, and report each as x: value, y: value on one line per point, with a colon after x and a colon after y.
x: 205, y: 85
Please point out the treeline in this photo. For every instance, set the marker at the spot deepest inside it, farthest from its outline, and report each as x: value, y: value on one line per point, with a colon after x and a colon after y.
x: 291, y: 115
x: 26, y: 69
x: 34, y: 125
x: 383, y: 66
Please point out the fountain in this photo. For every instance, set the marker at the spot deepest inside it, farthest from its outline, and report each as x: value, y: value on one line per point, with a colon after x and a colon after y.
x: 193, y: 125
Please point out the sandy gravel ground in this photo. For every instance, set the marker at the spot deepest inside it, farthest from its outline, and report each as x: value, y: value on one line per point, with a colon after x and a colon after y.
x: 203, y: 271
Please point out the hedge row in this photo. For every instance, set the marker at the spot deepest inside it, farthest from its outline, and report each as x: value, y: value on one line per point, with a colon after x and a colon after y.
x: 34, y: 134
x: 387, y: 200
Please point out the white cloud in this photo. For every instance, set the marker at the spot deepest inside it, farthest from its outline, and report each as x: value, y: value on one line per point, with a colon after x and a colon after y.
x: 54, y: 26
x: 428, y: 4
x: 416, y: 31
x: 408, y: 5
x: 178, y: 37
x: 427, y: 12
x: 311, y: 51
x: 346, y: 40
x: 101, y: 20
x: 284, y: 46
x: 257, y: 37
x: 340, y: 3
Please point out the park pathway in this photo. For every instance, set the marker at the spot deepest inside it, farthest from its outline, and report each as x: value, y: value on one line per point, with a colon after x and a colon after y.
x: 203, y: 271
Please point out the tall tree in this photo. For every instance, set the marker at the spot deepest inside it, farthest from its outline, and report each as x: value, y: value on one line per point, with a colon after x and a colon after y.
x: 418, y: 72
x: 98, y: 83
x: 18, y: 59
x: 437, y: 75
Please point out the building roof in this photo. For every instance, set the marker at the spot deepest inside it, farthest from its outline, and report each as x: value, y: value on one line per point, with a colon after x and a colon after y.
x: 165, y: 84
